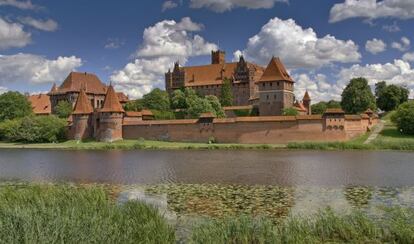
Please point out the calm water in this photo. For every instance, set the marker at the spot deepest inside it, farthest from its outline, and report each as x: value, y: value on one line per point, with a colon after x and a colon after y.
x: 285, y: 168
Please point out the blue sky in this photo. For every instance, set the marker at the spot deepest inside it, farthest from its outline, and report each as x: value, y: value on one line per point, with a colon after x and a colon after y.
x: 132, y: 43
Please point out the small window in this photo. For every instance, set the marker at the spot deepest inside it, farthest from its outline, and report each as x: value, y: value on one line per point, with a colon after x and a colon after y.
x: 271, y: 83
x: 263, y: 84
x: 278, y: 83
x: 267, y: 97
x: 274, y: 96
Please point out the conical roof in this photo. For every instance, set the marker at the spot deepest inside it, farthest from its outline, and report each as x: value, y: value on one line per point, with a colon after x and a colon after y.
x: 111, y: 103
x: 82, y: 106
x: 54, y: 88
x: 275, y: 71
x: 306, y: 97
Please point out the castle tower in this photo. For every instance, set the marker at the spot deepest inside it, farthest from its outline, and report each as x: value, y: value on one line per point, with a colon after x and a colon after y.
x: 82, y: 118
x: 275, y: 89
x: 109, y: 122
x: 307, y: 102
x: 218, y: 57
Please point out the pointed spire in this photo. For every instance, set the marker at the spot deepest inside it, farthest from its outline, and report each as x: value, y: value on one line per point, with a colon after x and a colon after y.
x: 111, y: 103
x: 82, y: 106
x: 306, y: 97
x: 54, y: 88
x: 275, y: 71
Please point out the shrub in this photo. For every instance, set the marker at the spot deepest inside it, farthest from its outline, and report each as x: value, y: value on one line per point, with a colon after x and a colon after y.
x: 163, y: 115
x: 290, y: 112
x: 404, y: 118
x: 33, y: 129
x: 14, y: 105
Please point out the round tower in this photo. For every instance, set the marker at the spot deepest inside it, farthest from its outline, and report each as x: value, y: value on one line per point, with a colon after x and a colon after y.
x: 81, y: 118
x: 109, y: 125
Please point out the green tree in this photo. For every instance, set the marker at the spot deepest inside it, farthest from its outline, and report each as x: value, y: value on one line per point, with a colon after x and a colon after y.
x: 391, y: 96
x: 290, y: 112
x: 134, y: 105
x: 14, y: 105
x: 63, y: 109
x: 215, y: 103
x: 320, y: 107
x: 157, y: 99
x: 178, y: 100
x: 357, y: 96
x: 197, y: 106
x: 404, y: 118
x: 226, y: 98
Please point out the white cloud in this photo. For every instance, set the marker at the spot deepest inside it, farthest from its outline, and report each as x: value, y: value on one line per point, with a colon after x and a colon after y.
x: 31, y: 68
x: 44, y: 25
x: 227, y: 5
x: 372, y: 9
x: 399, y: 72
x: 298, y: 47
x: 3, y: 89
x: 12, y: 35
x: 169, y: 5
x: 409, y: 57
x: 114, y: 43
x: 163, y: 43
x: 18, y: 4
x: 403, y: 45
x: 318, y: 87
x: 375, y: 46
x: 391, y: 28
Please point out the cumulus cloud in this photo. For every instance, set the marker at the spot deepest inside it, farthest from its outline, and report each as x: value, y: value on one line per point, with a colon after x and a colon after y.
x: 227, y: 5
x: 12, y: 35
x: 409, y: 57
x: 398, y: 72
x: 44, y: 25
x: 31, y: 68
x: 18, y: 4
x: 3, y: 89
x: 403, y: 45
x: 375, y: 46
x: 372, y: 9
x: 318, y: 87
x: 163, y: 43
x: 298, y: 47
x: 169, y: 5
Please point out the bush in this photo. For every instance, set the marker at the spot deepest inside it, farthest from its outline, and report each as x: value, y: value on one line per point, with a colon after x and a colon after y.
x: 163, y: 115
x: 404, y: 118
x: 33, y: 129
x: 290, y: 112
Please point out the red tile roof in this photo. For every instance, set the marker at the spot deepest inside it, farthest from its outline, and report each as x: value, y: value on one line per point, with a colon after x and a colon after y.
x: 77, y: 81
x: 300, y: 107
x: 306, y: 97
x: 83, y: 105
x: 275, y: 71
x: 40, y: 104
x: 122, y: 97
x: 111, y: 103
x: 207, y: 115
x: 133, y: 114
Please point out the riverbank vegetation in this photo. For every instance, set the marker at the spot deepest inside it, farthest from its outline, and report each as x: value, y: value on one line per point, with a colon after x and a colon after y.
x: 63, y: 213
x: 68, y: 214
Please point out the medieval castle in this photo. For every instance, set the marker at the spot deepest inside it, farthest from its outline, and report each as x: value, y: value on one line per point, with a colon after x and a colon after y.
x: 98, y: 110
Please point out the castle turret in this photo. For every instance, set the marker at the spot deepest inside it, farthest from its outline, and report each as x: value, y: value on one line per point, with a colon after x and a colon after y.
x: 275, y: 89
x: 109, y: 123
x: 218, y: 57
x: 307, y: 102
x: 82, y: 118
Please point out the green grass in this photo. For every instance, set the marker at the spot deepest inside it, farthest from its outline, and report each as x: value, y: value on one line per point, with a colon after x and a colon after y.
x: 68, y: 214
x: 396, y: 226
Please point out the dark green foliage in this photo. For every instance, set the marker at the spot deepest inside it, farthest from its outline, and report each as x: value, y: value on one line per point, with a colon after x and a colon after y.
x: 215, y: 103
x: 163, y: 115
x: 243, y: 112
x: 357, y: 97
x: 179, y: 99
x: 226, y: 98
x: 197, y: 106
x: 157, y: 99
x: 390, y: 97
x: 290, y: 112
x: 68, y: 214
x: 33, y: 129
x: 14, y: 105
x: 404, y: 118
x: 134, y: 105
x: 63, y: 109
x: 320, y: 107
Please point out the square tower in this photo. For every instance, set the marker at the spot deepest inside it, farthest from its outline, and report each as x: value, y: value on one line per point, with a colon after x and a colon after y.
x: 218, y: 57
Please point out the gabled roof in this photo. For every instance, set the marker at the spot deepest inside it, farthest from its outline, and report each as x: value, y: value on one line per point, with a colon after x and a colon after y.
x: 40, y: 104
x: 83, y: 105
x: 306, y: 97
x: 111, y: 103
x: 77, y: 81
x: 275, y: 71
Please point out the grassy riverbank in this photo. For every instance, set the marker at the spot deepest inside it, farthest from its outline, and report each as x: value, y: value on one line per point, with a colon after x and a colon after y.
x: 88, y: 214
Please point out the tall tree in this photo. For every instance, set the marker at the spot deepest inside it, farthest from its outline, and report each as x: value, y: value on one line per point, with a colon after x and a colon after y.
x: 226, y: 98
x: 157, y: 99
x: 357, y: 96
x: 63, y: 109
x: 14, y: 105
x: 404, y: 118
x: 215, y: 103
x: 389, y: 97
